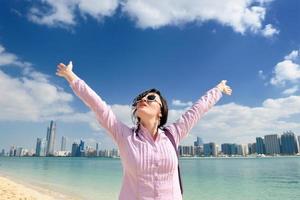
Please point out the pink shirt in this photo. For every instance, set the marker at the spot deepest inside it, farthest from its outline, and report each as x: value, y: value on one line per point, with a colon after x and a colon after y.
x: 149, y: 167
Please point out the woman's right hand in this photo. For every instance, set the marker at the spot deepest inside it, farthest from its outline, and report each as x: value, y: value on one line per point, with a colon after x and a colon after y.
x: 66, y: 71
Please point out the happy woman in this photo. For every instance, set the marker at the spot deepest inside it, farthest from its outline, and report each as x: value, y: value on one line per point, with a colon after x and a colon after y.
x: 148, y: 151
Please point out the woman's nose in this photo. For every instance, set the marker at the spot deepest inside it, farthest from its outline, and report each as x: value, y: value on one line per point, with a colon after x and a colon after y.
x: 144, y: 99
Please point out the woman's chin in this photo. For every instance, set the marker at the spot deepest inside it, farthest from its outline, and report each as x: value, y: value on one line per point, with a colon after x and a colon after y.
x: 143, y: 114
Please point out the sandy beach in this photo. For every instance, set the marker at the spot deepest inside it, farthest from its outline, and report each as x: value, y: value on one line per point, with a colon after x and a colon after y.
x: 12, y: 190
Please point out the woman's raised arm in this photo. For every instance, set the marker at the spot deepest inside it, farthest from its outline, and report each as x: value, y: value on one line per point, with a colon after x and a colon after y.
x: 104, y: 114
x: 186, y: 122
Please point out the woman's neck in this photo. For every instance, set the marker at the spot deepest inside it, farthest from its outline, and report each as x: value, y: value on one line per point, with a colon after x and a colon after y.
x: 151, y: 125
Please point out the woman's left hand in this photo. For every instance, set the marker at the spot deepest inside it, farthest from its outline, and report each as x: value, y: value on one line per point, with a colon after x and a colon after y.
x: 224, y: 88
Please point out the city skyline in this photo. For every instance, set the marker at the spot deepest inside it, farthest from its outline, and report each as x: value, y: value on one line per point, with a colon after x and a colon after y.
x: 121, y: 50
x: 271, y: 144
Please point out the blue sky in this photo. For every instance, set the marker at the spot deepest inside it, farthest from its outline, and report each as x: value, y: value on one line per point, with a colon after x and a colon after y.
x: 122, y: 47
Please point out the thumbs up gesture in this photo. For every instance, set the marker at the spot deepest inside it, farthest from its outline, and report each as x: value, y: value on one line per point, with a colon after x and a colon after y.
x: 63, y: 70
x: 66, y: 71
x: 224, y: 88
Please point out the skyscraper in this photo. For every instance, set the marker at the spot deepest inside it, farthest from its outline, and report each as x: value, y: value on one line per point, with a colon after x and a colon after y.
x: 12, y: 151
x: 242, y: 149
x: 51, y: 132
x: 234, y: 148
x: 43, y: 147
x: 186, y: 150
x: 81, y: 151
x: 63, y: 143
x: 252, y: 148
x: 38, y: 147
x: 226, y: 149
x: 260, y: 146
x: 19, y: 151
x: 272, y: 144
x: 210, y: 149
x: 97, y: 149
x: 3, y: 152
x: 74, y: 149
x: 207, y: 149
x: 289, y: 143
x: 198, y: 142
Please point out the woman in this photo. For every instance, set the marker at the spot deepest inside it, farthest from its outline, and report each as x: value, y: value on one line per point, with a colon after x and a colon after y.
x: 148, y: 157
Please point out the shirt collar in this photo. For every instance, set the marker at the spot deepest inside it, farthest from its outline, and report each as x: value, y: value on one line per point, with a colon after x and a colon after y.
x: 146, y: 133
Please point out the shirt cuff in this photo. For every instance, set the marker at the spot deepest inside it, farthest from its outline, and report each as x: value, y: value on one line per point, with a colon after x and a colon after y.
x: 220, y: 92
x: 72, y: 83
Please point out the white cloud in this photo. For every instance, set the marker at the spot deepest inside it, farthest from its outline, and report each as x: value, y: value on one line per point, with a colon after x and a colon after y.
x: 291, y: 90
x: 63, y: 13
x: 294, y: 55
x: 60, y: 13
x: 287, y: 70
x: 31, y: 96
x: 25, y: 99
x: 269, y: 31
x: 241, y: 15
x: 98, y: 9
x: 177, y: 102
x: 262, y: 75
x: 7, y: 58
x: 123, y: 112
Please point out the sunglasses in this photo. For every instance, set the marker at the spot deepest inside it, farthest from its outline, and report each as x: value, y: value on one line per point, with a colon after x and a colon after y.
x: 149, y: 98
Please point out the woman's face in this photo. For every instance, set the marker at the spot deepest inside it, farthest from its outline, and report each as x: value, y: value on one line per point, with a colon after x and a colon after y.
x: 149, y: 106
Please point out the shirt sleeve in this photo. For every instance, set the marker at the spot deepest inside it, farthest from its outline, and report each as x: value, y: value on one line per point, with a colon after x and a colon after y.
x: 104, y: 114
x: 187, y: 121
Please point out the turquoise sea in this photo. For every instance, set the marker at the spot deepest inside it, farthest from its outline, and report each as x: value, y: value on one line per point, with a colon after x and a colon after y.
x: 270, y: 178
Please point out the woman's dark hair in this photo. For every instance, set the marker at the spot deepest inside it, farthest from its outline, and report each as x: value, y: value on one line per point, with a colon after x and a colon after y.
x: 164, y: 107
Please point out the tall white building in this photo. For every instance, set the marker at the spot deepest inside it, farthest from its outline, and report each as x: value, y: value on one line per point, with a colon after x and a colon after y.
x: 63, y: 143
x: 242, y: 149
x: 43, y: 151
x: 245, y: 149
x: 21, y: 151
x: 51, y: 132
x: 214, y: 149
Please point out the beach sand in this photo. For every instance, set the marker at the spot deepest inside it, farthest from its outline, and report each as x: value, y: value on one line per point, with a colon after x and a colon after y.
x: 12, y: 190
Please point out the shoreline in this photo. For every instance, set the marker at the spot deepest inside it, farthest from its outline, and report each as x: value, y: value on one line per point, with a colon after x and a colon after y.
x: 13, y: 189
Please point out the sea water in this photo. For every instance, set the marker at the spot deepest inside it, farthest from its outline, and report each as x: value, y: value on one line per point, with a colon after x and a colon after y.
x: 269, y: 178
